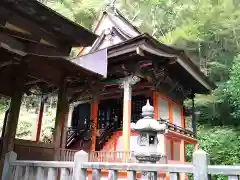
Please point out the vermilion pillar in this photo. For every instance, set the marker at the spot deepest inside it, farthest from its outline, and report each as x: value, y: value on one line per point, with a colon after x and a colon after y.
x: 127, y: 115
x: 39, y: 122
x: 155, y: 105
x: 182, y: 157
x: 127, y: 102
x: 182, y: 151
x: 182, y: 118
x: 171, y: 149
x: 94, y: 120
x: 170, y: 112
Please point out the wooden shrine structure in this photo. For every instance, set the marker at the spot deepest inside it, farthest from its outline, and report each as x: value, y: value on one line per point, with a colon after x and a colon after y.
x: 35, y: 42
x: 139, y: 68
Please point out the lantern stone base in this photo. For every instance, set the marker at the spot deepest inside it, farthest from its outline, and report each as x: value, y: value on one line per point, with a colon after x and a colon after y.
x: 148, y: 157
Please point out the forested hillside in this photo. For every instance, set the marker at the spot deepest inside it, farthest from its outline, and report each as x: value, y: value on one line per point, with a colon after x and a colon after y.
x: 209, y: 31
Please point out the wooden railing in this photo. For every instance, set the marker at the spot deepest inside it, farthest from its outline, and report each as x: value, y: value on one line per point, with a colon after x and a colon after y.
x: 105, y: 136
x: 67, y: 154
x: 117, y: 156
x: 75, y: 133
x: 178, y: 129
x: 108, y: 156
x: 77, y: 170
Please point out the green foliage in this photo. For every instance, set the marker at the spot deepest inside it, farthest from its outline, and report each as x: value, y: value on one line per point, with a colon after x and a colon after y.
x: 47, y: 131
x: 83, y: 12
x: 3, y: 104
x: 25, y: 127
x: 221, y: 143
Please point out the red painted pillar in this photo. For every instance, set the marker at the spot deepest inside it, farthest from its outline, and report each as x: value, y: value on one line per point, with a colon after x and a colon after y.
x: 182, y: 151
x: 39, y: 122
x: 182, y: 158
x: 172, y: 149
x: 127, y: 84
x: 155, y: 105
x: 170, y: 112
x: 182, y: 118
x: 127, y: 115
x: 94, y: 119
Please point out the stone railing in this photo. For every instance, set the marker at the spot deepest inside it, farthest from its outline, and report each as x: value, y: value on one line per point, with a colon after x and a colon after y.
x: 78, y: 170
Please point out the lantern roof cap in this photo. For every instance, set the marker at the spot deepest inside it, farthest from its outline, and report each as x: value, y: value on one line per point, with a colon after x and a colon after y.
x: 147, y: 123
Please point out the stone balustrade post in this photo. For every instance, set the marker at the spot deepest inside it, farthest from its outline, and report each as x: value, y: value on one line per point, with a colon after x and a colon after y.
x: 9, y: 157
x: 78, y: 172
x: 200, y: 165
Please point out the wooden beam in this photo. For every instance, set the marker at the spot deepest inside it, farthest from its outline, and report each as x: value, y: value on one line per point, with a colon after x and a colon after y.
x: 33, y: 82
x: 13, y: 20
x: 44, y: 50
x: 7, y: 63
x: 100, y: 89
x: 19, y: 35
x: 36, y: 67
x: 22, y: 49
x: 12, y: 45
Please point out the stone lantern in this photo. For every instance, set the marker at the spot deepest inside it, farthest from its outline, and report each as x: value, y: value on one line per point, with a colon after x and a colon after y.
x: 148, y: 129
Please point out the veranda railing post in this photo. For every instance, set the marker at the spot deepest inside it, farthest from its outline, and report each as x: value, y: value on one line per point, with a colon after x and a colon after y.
x: 9, y: 157
x: 78, y: 172
x: 200, y: 165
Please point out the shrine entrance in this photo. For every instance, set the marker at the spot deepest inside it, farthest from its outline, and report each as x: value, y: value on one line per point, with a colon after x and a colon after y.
x: 110, y: 113
x: 81, y: 115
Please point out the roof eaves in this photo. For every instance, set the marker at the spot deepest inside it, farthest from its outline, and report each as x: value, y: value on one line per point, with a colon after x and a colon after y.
x: 182, y: 57
x: 101, y: 17
x: 164, y: 50
x: 98, y: 42
x: 69, y: 22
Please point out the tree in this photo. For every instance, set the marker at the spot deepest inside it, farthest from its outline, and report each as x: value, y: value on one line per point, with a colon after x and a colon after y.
x: 83, y: 12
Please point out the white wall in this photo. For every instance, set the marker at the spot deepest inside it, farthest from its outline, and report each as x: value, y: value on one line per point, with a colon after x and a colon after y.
x: 163, y: 109
x: 176, y: 115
